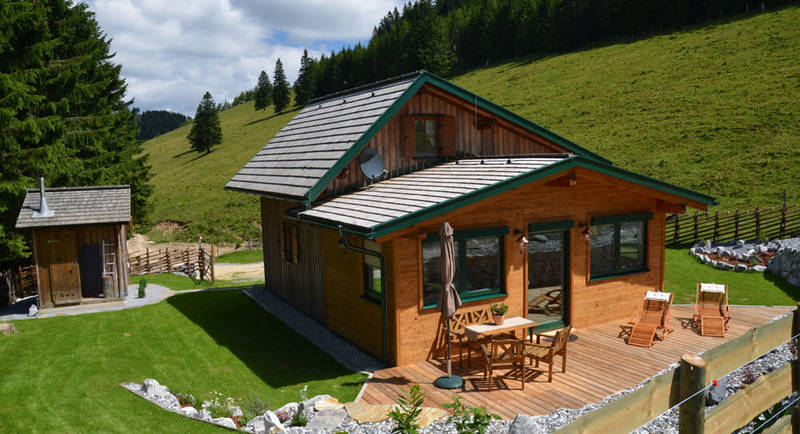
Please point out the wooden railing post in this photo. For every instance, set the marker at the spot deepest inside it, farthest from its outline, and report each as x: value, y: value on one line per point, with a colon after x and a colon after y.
x: 716, y: 225
x: 691, y: 417
x: 201, y: 262
x: 169, y: 265
x: 783, y: 220
x: 758, y: 224
x: 213, y: 260
x: 147, y: 252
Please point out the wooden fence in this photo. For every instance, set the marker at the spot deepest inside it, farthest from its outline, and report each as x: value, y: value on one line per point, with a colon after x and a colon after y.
x: 26, y: 281
x: 195, y: 262
x: 663, y: 392
x: 758, y: 224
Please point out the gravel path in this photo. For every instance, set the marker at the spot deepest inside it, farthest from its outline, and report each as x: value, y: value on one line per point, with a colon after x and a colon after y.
x: 345, y: 353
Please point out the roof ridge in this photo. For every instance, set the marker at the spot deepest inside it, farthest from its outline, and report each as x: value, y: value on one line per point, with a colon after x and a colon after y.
x: 355, y: 89
x: 81, y: 188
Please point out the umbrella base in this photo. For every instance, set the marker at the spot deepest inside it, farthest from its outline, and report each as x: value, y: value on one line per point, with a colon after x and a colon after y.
x: 445, y: 382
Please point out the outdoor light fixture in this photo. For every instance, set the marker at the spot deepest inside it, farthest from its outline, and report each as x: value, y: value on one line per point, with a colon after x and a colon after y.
x: 587, y: 233
x: 522, y: 240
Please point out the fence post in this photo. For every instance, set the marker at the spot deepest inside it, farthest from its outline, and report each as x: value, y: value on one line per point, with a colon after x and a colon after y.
x: 783, y: 220
x: 758, y: 224
x: 676, y: 239
x: 201, y: 262
x: 213, y: 260
x: 692, y: 413
x: 696, y: 230
x: 736, y: 224
x: 147, y: 251
x: 716, y: 225
x: 169, y: 266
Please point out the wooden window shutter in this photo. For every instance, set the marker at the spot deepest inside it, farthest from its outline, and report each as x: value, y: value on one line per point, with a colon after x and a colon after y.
x: 448, y: 144
x: 409, y: 137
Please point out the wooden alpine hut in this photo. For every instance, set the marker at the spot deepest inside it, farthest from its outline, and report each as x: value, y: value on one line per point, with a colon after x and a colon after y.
x: 354, y: 189
x: 79, y: 246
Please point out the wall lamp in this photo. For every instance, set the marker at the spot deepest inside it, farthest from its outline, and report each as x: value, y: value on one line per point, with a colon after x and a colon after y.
x: 522, y: 240
x: 586, y: 232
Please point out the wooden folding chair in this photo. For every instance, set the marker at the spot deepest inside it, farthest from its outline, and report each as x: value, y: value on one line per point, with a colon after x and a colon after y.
x: 711, y: 310
x: 651, y: 317
x: 547, y: 353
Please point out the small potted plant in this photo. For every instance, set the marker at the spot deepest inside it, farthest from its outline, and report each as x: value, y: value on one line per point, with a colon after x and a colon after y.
x: 499, y: 312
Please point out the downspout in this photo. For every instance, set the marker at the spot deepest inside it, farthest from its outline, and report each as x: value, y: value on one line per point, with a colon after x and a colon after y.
x: 384, y: 313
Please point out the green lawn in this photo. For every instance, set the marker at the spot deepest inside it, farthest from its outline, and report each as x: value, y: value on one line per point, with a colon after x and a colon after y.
x: 683, y: 273
x: 181, y: 283
x: 242, y: 257
x: 62, y: 374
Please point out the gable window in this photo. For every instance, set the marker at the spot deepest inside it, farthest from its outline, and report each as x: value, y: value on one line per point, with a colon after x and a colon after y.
x: 373, y: 279
x: 479, y: 265
x: 289, y: 242
x: 618, y: 245
x: 425, y: 136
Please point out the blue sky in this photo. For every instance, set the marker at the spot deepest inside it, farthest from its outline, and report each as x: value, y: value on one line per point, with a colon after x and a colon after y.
x: 174, y: 51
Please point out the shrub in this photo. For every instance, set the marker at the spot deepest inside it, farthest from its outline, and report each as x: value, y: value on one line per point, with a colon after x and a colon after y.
x: 405, y: 417
x: 469, y: 420
x: 253, y: 407
x: 185, y: 398
x: 142, y: 286
x: 299, y: 419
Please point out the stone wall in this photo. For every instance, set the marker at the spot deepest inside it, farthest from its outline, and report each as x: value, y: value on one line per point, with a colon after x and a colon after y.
x: 786, y: 261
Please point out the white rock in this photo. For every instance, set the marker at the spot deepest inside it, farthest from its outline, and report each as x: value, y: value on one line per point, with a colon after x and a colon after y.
x: 256, y: 425
x: 188, y: 412
x: 203, y: 415
x: 290, y: 409
x: 740, y: 267
x: 237, y: 412
x: 225, y: 421
x: 271, y: 420
x: 759, y: 268
x: 33, y: 310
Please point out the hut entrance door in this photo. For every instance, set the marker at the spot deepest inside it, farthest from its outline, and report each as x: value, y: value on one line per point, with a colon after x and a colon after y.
x: 62, y: 261
x: 548, y: 282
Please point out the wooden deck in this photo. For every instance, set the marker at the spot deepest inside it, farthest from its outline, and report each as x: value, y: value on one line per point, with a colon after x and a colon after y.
x: 599, y: 364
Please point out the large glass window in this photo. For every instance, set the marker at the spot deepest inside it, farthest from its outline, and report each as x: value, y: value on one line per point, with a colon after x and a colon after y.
x: 372, y: 271
x: 425, y: 135
x: 479, y: 265
x: 618, y: 245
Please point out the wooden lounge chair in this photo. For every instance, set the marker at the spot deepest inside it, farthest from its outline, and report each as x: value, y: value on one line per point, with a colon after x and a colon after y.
x: 711, y: 310
x: 460, y: 321
x: 549, y: 302
x: 504, y: 354
x: 547, y: 353
x: 651, y: 317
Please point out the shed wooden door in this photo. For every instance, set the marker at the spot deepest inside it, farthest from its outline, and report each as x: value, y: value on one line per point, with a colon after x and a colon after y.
x: 61, y: 257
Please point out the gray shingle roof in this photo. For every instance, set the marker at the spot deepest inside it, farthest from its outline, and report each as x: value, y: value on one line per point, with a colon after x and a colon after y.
x: 77, y: 206
x: 310, y: 144
x: 387, y: 200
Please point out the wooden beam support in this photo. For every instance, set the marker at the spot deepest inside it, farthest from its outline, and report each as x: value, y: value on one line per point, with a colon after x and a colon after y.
x: 670, y: 207
x: 564, y: 181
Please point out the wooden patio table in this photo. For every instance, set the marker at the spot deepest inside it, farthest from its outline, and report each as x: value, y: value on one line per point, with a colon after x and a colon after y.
x: 510, y: 325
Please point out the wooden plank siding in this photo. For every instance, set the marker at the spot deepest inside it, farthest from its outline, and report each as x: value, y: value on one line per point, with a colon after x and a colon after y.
x: 348, y: 313
x: 599, y: 364
x: 299, y: 284
x: 592, y: 302
x: 392, y: 141
x: 92, y: 234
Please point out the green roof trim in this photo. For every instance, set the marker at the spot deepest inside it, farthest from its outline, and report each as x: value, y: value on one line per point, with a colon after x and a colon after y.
x: 427, y: 77
x: 422, y: 215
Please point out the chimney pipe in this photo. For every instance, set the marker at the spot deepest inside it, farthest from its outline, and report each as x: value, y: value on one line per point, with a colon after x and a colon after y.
x: 44, y: 211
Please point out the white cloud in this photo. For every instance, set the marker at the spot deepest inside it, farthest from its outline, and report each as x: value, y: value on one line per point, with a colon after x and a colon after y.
x: 173, y: 51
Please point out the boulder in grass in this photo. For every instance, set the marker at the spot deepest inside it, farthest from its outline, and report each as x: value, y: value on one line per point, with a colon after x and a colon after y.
x: 188, y: 412
x: 272, y: 423
x: 159, y: 395
x: 224, y: 422
x: 740, y: 267
x: 290, y: 409
x: 203, y: 415
x: 257, y: 425
x: 8, y: 328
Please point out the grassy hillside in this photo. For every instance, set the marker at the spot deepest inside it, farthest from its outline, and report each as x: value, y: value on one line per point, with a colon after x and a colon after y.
x: 189, y: 186
x: 715, y: 109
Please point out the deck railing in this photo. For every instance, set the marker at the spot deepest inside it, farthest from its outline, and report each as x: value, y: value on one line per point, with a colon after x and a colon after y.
x: 685, y: 388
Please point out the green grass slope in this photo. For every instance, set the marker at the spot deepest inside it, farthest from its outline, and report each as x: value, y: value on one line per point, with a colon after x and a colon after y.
x: 715, y: 109
x: 189, y: 186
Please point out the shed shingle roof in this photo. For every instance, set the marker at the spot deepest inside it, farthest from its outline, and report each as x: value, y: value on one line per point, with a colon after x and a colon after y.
x: 296, y: 158
x: 77, y: 206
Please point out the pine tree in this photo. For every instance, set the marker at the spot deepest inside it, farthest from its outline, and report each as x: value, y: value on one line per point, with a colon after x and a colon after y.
x: 62, y: 112
x: 304, y: 85
x: 205, y: 132
x: 263, y: 96
x: 280, y: 91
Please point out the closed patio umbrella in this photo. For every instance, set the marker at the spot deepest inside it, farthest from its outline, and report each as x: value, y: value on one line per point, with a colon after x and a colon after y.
x: 449, y: 301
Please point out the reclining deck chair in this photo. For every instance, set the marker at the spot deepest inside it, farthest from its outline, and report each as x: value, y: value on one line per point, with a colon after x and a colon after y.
x: 652, y: 316
x: 711, y: 309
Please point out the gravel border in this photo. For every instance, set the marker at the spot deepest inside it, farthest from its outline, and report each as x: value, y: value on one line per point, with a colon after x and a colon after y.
x: 345, y: 353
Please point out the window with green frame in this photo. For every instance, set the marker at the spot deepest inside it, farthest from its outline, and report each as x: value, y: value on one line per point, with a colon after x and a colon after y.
x: 372, y: 271
x: 619, y: 245
x: 479, y: 265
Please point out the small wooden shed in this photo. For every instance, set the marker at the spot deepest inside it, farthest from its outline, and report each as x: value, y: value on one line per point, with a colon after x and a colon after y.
x: 79, y: 242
